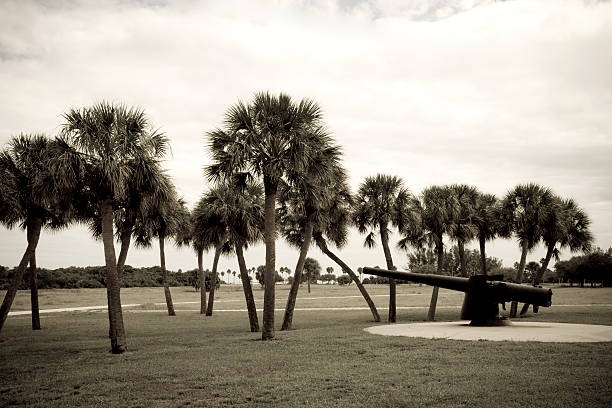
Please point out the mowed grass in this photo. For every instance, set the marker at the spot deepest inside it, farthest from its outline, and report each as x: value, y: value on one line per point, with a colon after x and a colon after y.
x: 328, y: 360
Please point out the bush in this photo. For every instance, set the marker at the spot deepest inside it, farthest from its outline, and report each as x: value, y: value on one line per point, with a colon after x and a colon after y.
x: 344, y: 280
x: 89, y: 283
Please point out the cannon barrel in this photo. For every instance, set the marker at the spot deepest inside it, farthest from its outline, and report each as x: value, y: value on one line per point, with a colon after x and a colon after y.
x: 499, y: 291
x: 442, y: 281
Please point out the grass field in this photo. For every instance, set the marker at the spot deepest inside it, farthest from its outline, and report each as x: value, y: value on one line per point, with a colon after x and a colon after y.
x: 327, y: 360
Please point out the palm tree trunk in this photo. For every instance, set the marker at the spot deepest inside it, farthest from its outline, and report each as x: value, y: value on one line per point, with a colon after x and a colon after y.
x: 549, y: 253
x: 462, y: 260
x: 213, y: 282
x: 34, y: 293
x: 431, y: 314
x: 248, y: 290
x: 126, y: 234
x: 384, y: 237
x: 270, y: 187
x: 33, y: 233
x: 519, y: 275
x: 117, y: 332
x: 323, y: 247
x: 202, y: 282
x: 297, y: 278
x: 162, y: 262
x: 483, y: 256
x: 538, y: 278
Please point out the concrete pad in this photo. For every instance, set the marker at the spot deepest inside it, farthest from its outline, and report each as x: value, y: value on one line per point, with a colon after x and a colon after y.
x: 516, y: 331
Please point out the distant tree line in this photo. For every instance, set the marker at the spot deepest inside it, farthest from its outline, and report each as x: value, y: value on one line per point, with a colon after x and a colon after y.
x: 594, y: 268
x: 95, y: 277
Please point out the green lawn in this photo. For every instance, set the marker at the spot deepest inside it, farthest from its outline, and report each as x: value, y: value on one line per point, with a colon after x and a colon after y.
x: 327, y: 360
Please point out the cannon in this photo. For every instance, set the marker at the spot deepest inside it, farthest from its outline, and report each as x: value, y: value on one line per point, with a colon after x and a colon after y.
x: 482, y: 293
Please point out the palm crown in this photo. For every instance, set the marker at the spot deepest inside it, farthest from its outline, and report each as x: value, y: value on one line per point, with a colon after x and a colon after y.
x: 110, y: 143
x: 268, y: 137
x: 24, y: 190
x: 380, y: 200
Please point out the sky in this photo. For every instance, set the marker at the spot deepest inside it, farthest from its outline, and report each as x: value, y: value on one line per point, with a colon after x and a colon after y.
x: 487, y: 93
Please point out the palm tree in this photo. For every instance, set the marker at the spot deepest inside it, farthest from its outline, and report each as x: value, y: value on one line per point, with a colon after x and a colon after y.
x: 208, y: 231
x: 265, y: 139
x: 522, y: 212
x: 307, y: 194
x: 567, y: 226
x: 98, y: 146
x: 196, y: 235
x: 462, y: 228
x: 164, y: 216
x: 27, y: 200
x: 485, y: 222
x: 148, y: 183
x: 434, y: 214
x: 240, y: 212
x: 331, y: 224
x: 380, y: 200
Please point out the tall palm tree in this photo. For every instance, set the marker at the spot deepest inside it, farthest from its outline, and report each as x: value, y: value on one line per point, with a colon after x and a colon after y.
x: 434, y: 214
x: 485, y: 222
x: 240, y: 211
x: 98, y: 146
x: 382, y: 200
x: 330, y: 224
x: 308, y: 194
x: 264, y: 139
x: 522, y: 213
x: 566, y: 225
x: 462, y: 227
x: 27, y: 200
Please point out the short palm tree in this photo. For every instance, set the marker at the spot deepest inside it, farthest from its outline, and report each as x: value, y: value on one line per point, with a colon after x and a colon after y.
x: 149, y: 183
x: 485, y: 222
x: 462, y: 227
x: 565, y: 226
x: 434, y: 213
x: 208, y: 231
x: 330, y: 224
x: 240, y: 212
x: 264, y: 139
x: 27, y: 200
x: 97, y: 148
x: 382, y: 200
x: 164, y: 215
x: 522, y: 213
x: 307, y: 194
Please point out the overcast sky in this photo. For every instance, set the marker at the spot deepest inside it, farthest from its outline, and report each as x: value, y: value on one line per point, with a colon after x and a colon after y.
x: 487, y: 93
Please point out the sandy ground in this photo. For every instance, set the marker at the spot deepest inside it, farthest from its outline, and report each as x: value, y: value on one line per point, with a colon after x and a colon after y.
x: 516, y: 331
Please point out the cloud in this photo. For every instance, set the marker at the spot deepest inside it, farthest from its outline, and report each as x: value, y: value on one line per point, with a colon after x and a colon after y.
x: 488, y: 93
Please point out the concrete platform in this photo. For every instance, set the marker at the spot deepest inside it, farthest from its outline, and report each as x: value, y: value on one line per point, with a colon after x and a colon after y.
x: 515, y: 331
